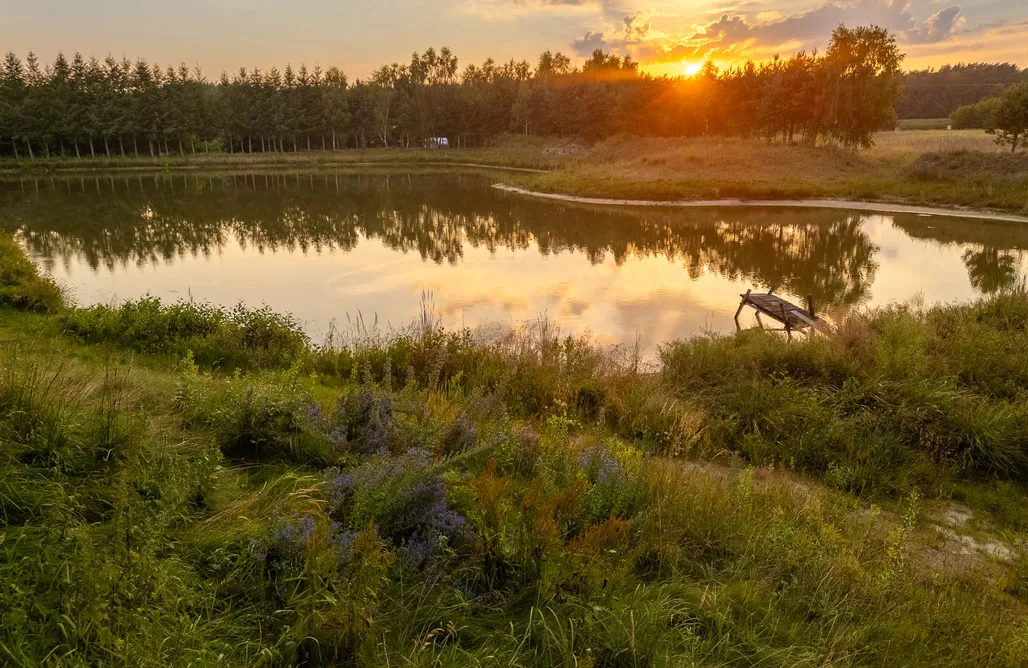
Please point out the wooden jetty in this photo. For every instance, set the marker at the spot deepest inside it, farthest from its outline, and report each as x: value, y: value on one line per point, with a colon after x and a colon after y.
x: 792, y: 317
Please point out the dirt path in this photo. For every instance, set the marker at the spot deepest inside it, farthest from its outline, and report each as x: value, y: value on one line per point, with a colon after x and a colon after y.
x: 849, y: 205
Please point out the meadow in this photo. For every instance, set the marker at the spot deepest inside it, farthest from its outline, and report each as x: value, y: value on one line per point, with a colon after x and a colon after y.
x: 967, y: 170
x: 182, y: 484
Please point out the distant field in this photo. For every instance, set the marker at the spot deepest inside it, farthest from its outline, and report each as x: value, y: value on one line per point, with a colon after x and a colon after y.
x: 923, y: 123
x: 909, y: 144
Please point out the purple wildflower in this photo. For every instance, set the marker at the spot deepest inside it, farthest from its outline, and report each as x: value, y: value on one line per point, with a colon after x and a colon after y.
x: 362, y: 421
x: 460, y: 436
x: 418, y: 549
x: 342, y: 542
x: 340, y: 490
x: 602, y: 467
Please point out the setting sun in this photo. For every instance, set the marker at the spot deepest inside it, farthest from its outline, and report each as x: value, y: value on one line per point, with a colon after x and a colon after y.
x: 692, y: 69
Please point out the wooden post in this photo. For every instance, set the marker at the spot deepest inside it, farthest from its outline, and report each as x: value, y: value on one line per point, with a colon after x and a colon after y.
x: 741, y: 305
x: 785, y: 319
x: 810, y: 307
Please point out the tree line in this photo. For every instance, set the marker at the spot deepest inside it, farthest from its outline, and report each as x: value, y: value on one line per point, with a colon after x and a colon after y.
x: 85, y: 106
x: 937, y: 93
x: 1004, y: 116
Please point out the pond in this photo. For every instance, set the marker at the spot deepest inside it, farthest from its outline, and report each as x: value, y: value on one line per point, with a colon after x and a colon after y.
x: 347, y: 248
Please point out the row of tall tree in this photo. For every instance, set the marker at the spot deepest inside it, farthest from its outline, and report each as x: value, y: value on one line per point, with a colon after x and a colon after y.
x: 937, y: 93
x: 82, y: 106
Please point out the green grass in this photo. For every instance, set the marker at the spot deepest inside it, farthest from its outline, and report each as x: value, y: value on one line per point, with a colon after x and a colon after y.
x: 21, y: 287
x: 923, y: 123
x: 520, y: 155
x: 186, y: 485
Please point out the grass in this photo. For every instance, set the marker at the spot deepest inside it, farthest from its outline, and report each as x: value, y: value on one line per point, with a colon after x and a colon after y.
x: 21, y: 287
x: 924, y: 123
x: 670, y: 169
x: 688, y: 169
x: 521, y: 154
x: 186, y: 485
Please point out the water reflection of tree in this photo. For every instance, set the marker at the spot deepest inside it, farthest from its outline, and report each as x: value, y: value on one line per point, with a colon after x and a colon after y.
x: 992, y: 270
x: 146, y: 220
x: 993, y: 261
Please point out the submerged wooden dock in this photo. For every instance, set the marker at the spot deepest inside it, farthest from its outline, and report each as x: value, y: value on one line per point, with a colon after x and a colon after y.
x: 792, y: 317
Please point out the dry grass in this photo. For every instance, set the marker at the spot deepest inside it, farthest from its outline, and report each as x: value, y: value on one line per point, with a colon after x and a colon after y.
x: 906, y: 146
x: 716, y: 158
x: 713, y: 167
x: 721, y: 158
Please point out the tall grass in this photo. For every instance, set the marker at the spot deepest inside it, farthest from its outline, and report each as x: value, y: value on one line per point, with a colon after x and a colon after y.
x: 899, y: 398
x: 234, y: 338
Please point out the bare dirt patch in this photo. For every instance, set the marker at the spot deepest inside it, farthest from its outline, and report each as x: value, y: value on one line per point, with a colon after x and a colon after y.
x: 963, y: 544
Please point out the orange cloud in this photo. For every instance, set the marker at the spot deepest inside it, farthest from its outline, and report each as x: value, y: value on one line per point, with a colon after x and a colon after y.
x: 731, y: 38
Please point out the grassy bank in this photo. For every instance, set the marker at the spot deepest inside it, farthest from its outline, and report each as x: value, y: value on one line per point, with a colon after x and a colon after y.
x: 187, y: 485
x: 962, y: 171
x: 955, y: 168
x: 517, y: 154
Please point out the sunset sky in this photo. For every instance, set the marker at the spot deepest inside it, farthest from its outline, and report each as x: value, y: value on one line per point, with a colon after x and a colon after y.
x: 667, y: 36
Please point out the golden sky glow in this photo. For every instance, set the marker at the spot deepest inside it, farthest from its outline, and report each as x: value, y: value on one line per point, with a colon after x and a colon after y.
x: 359, y: 36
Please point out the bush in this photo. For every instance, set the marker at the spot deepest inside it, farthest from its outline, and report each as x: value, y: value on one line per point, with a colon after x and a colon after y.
x: 240, y: 337
x: 21, y: 285
x: 978, y: 116
x: 362, y: 422
x: 256, y: 418
x: 404, y: 499
x: 897, y: 399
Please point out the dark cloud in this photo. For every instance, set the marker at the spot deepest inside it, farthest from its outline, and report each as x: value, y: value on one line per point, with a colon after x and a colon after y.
x: 634, y: 30
x: 938, y: 27
x: 593, y: 40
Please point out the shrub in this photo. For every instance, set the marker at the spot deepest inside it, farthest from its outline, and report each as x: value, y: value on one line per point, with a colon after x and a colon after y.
x: 404, y: 499
x: 459, y: 436
x: 237, y: 338
x: 253, y: 419
x: 21, y: 285
x: 899, y: 398
x: 613, y: 491
x: 976, y: 116
x: 362, y: 422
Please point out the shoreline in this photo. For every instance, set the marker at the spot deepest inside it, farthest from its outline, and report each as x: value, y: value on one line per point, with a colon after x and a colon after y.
x: 843, y: 204
x: 228, y: 166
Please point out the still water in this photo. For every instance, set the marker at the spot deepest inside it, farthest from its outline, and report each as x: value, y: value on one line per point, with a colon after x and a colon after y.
x: 337, y: 247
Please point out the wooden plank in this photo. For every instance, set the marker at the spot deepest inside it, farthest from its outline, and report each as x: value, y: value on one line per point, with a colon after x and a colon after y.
x: 790, y: 315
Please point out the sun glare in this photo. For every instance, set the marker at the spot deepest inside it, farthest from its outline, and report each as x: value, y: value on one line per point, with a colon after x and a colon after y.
x: 692, y: 69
